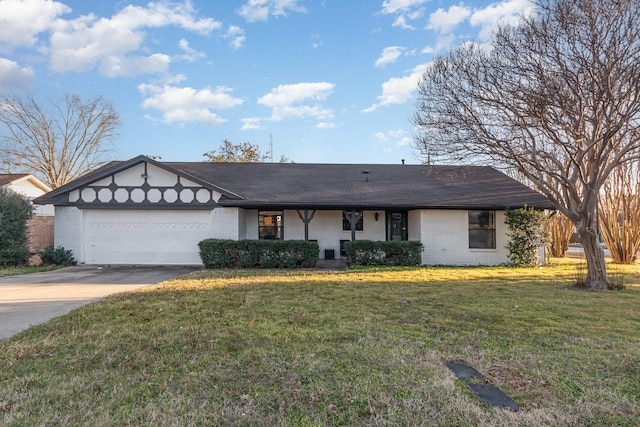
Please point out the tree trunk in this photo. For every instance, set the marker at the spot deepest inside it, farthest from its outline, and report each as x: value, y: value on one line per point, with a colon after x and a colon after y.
x: 560, y: 230
x: 596, y: 279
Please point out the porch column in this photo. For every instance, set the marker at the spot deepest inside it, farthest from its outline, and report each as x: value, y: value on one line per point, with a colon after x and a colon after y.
x: 353, y: 217
x: 306, y: 219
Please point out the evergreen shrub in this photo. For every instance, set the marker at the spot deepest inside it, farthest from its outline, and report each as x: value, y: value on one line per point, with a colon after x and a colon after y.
x: 393, y: 252
x: 527, y: 234
x: 220, y: 253
x: 58, y: 256
x: 15, y: 213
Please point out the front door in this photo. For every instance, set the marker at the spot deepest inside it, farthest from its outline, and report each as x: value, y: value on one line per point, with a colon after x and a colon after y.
x: 397, y: 225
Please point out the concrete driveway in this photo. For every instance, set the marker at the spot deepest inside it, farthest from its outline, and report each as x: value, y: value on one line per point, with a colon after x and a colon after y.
x: 30, y: 299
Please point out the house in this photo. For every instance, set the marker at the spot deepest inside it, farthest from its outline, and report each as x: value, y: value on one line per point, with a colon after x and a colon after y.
x: 142, y: 211
x: 41, y: 225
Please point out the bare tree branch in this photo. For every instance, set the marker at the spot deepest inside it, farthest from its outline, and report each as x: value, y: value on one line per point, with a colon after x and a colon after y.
x: 619, y: 213
x: 60, y: 144
x: 556, y: 97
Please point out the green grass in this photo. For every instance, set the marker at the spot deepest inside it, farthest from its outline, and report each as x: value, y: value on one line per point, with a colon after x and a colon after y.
x: 364, y: 347
x: 13, y: 271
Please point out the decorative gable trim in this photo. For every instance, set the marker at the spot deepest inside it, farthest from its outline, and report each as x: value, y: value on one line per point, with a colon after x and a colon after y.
x: 140, y: 183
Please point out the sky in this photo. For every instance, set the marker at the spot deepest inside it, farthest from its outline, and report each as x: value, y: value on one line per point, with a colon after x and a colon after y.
x: 323, y: 81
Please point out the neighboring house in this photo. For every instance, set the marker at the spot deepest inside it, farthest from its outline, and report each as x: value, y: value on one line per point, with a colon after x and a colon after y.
x: 42, y: 224
x: 142, y: 211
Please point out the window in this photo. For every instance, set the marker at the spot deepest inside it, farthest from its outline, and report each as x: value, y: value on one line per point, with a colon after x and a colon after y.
x: 271, y: 225
x: 346, y: 224
x: 482, y: 229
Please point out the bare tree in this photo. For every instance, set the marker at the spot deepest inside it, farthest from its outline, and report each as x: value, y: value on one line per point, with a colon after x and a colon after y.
x: 556, y: 97
x: 619, y: 213
x: 56, y: 144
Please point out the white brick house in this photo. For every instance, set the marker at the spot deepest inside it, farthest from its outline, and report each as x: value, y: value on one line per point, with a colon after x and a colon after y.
x: 142, y: 211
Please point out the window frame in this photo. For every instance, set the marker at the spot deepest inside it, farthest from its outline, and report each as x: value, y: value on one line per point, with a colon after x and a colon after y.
x: 481, y: 233
x: 276, y: 226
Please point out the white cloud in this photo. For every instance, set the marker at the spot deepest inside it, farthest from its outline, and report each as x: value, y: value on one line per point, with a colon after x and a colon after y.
x: 396, y: 137
x: 504, y: 12
x: 389, y: 55
x: 326, y: 125
x: 405, y: 10
x: 162, y: 14
x: 400, y: 6
x: 298, y: 100
x: 317, y: 42
x: 380, y: 136
x: 236, y: 34
x: 86, y: 42
x: 190, y: 54
x: 22, y: 20
x: 444, y: 21
x: 12, y: 75
x: 398, y: 90
x: 118, y: 66
x: 405, y: 141
x: 401, y: 22
x: 427, y: 50
x: 398, y: 133
x: 400, y: 137
x: 252, y: 123
x: 445, y: 41
x: 260, y: 10
x: 185, y: 104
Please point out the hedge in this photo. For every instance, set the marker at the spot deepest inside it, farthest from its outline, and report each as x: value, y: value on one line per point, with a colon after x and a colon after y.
x: 219, y: 253
x: 393, y: 252
x: 15, y: 213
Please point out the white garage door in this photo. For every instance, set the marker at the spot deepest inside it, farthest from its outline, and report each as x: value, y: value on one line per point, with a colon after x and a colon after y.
x: 144, y: 237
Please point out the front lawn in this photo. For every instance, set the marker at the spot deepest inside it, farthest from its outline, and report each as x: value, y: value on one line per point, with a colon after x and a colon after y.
x: 363, y: 347
x: 13, y: 271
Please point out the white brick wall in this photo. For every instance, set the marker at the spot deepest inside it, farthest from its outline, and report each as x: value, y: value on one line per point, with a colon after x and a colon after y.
x: 251, y: 224
x: 67, y: 230
x: 242, y: 224
x: 326, y: 228
x: 226, y: 223
x: 445, y: 235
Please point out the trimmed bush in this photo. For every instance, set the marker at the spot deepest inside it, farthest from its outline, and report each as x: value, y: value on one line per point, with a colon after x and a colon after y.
x: 527, y: 233
x: 57, y: 256
x: 218, y: 253
x: 15, y: 213
x: 393, y: 252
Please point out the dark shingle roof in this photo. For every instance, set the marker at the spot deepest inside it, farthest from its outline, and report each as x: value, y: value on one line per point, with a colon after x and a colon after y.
x: 313, y: 185
x: 364, y: 185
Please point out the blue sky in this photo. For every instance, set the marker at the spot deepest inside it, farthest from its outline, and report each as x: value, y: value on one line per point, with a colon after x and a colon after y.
x: 332, y: 81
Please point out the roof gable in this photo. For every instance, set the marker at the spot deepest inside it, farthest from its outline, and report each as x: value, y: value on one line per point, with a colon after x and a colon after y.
x: 24, y: 183
x: 8, y: 178
x: 139, y: 182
